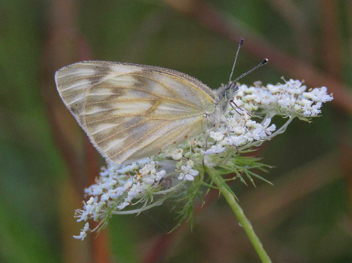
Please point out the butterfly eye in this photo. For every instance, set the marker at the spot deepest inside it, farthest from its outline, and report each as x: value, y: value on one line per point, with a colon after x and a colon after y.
x: 228, y: 93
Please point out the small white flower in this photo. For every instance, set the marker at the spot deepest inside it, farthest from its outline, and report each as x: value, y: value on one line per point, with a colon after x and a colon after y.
x: 308, y: 95
x: 215, y: 149
x: 94, y: 190
x: 251, y: 124
x: 317, y: 94
x: 271, y: 128
x: 90, y: 201
x: 190, y: 163
x: 217, y: 136
x: 127, y: 168
x: 175, y: 154
x: 187, y: 173
x: 83, y: 233
x: 249, y: 97
x: 240, y: 130
x: 122, y: 205
x: 160, y: 175
x: 82, y: 215
x: 267, y: 122
x: 128, y: 183
x: 134, y: 190
x: 116, y: 192
x: 148, y: 168
x: 149, y: 180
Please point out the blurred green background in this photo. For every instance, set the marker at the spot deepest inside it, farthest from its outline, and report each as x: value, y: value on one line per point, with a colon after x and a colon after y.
x: 46, y: 161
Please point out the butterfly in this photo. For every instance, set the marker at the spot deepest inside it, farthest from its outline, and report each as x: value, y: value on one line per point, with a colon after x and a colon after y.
x: 131, y: 111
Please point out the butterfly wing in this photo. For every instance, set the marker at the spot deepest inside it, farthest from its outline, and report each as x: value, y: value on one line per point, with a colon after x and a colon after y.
x: 131, y: 111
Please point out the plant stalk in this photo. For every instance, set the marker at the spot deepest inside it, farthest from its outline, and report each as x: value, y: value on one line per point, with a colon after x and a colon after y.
x: 242, y: 219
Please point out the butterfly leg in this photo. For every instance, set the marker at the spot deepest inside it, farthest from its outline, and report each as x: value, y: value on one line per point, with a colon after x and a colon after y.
x: 236, y: 107
x: 205, y: 148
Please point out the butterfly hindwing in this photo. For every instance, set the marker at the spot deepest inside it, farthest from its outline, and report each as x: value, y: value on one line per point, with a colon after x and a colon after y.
x: 131, y: 111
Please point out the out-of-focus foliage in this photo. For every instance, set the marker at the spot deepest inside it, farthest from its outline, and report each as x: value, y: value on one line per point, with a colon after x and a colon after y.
x: 304, y: 217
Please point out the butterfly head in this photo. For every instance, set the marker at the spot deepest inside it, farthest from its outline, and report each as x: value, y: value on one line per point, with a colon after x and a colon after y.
x: 225, y: 94
x: 230, y: 91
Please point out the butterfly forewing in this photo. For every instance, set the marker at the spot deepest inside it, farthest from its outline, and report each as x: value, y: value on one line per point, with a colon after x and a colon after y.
x: 131, y: 111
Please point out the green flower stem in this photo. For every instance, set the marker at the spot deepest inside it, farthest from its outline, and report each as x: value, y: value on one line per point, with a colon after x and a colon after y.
x: 242, y: 219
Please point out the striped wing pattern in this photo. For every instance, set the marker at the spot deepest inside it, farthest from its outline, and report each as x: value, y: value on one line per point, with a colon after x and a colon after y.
x: 131, y: 111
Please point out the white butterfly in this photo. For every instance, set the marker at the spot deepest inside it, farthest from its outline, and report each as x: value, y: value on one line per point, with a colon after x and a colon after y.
x: 131, y: 111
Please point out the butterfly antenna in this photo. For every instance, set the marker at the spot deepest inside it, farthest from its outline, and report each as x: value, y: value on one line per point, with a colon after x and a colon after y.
x: 234, y: 63
x: 265, y: 61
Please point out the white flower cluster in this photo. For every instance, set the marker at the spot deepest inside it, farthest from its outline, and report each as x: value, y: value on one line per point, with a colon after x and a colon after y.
x: 289, y: 99
x: 238, y: 130
x: 117, y: 187
x: 121, y: 187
